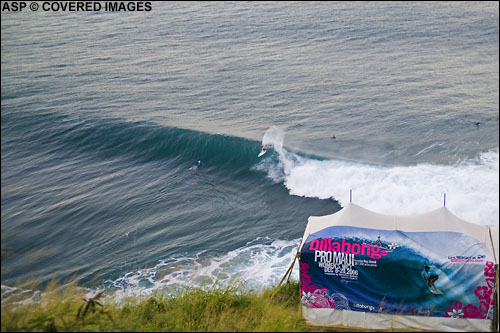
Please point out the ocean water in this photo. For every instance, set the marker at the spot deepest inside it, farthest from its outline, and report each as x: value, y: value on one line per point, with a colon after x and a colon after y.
x: 103, y: 114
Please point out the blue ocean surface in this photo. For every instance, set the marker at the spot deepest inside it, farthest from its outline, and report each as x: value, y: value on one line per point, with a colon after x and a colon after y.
x: 103, y: 114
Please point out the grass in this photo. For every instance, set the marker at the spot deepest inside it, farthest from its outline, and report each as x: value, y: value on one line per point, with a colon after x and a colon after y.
x: 69, y: 309
x: 192, y: 310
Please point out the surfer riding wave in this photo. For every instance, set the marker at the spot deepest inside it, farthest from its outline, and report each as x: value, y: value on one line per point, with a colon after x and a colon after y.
x: 431, y: 278
x: 264, y: 149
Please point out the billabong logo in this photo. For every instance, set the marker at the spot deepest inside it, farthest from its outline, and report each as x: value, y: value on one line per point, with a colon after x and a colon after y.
x: 374, y: 251
x: 364, y: 306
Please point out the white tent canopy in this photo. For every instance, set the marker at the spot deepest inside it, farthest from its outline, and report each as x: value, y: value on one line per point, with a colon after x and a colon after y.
x: 440, y: 221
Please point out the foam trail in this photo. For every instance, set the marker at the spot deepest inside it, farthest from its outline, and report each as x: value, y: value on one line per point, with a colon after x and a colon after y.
x: 471, y: 187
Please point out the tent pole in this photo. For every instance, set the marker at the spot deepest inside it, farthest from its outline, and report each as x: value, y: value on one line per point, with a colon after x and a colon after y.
x: 494, y: 322
x: 288, y: 272
x: 444, y: 202
x: 350, y: 195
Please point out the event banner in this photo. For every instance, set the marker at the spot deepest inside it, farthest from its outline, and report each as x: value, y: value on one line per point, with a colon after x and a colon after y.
x: 441, y: 274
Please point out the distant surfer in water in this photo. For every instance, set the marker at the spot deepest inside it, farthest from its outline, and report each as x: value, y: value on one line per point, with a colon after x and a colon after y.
x: 195, y: 165
x: 333, y: 137
x: 431, y: 277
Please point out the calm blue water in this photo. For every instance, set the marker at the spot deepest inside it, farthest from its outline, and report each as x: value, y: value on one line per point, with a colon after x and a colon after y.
x: 103, y: 114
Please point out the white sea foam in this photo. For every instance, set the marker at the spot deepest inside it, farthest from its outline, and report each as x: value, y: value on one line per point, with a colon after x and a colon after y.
x: 471, y: 187
x: 21, y: 295
x: 259, y: 264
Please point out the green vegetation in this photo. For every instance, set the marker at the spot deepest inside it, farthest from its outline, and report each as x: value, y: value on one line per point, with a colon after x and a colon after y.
x: 191, y: 310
